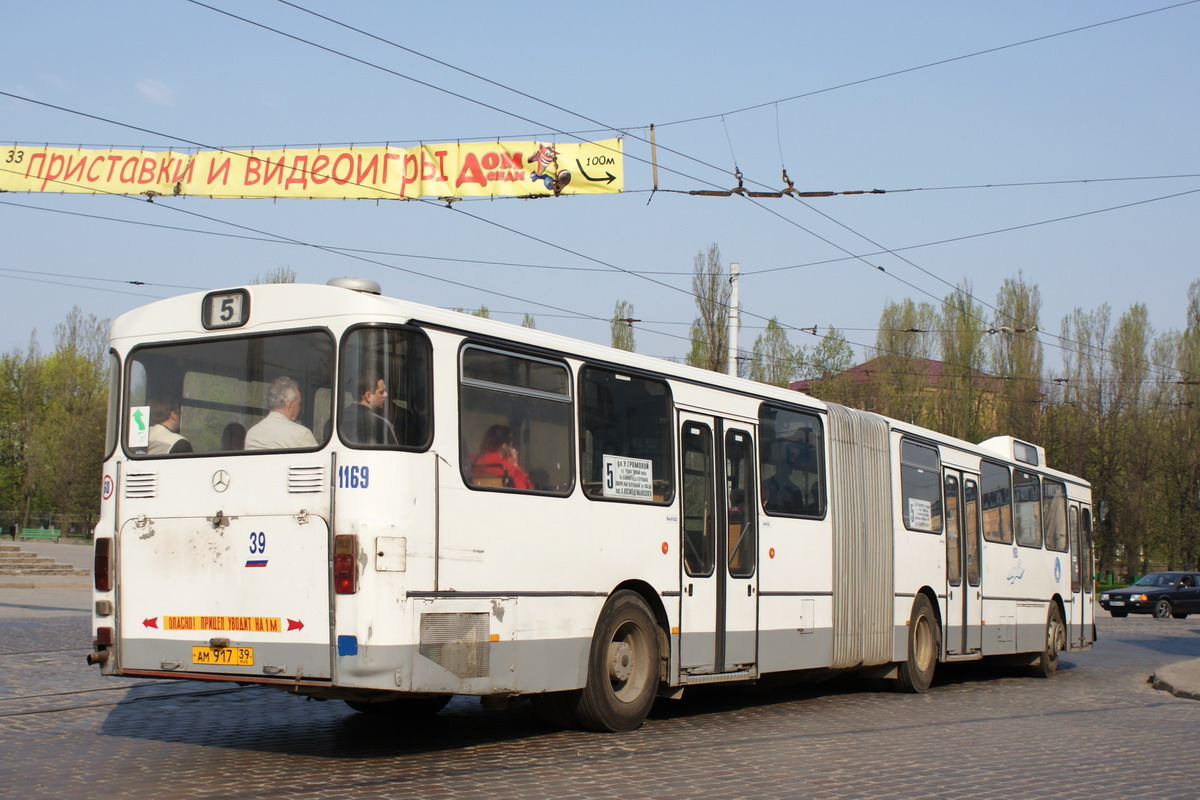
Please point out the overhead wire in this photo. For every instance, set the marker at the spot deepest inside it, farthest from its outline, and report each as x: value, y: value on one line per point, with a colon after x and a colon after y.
x: 930, y: 65
x: 737, y: 171
x: 511, y: 114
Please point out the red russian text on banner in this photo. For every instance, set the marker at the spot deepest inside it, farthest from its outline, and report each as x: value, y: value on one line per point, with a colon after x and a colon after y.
x: 475, y: 169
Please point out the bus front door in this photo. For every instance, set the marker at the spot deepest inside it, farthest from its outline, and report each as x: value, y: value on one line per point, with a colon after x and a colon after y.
x: 964, y: 604
x: 718, y: 531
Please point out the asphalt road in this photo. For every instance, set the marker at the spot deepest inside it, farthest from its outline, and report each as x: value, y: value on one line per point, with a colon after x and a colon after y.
x: 1096, y: 730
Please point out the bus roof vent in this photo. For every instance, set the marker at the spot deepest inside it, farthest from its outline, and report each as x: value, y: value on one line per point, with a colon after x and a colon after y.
x: 364, y: 285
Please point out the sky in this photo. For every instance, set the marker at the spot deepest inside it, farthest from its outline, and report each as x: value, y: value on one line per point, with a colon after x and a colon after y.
x: 1055, y: 141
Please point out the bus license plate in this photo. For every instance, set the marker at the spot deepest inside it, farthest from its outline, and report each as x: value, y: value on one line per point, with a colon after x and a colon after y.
x: 224, y: 656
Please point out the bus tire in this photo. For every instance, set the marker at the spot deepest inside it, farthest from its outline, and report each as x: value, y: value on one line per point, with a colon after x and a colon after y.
x: 1056, y: 639
x: 622, y: 675
x: 924, y: 646
x: 414, y: 707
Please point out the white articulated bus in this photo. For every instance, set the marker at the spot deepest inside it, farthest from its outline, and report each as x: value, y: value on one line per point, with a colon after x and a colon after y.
x: 349, y: 496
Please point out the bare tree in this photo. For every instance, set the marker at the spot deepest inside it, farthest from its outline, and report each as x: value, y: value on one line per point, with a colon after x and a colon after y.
x: 277, y: 275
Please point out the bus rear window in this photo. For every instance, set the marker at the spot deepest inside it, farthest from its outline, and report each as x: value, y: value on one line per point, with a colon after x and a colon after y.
x: 210, y: 396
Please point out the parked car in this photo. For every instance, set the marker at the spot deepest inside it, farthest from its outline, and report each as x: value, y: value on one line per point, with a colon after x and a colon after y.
x: 1163, y: 594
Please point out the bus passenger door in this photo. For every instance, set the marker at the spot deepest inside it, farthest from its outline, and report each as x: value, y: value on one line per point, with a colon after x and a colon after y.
x: 964, y: 604
x: 719, y: 599
x: 1078, y: 611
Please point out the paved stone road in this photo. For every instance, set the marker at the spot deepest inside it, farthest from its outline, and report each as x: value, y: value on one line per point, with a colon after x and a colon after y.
x: 1097, y: 730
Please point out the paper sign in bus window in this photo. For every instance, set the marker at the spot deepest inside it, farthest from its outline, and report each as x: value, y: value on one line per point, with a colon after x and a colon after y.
x: 920, y: 514
x: 628, y: 477
x: 139, y: 426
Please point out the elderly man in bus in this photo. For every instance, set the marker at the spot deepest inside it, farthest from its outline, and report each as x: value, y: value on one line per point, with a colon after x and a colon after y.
x: 279, y: 429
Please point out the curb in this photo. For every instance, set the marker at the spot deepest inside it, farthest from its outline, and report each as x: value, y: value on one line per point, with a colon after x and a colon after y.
x: 81, y: 586
x: 1169, y: 679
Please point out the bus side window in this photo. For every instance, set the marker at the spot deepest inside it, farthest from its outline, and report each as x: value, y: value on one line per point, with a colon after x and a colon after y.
x: 1027, y: 494
x: 791, y: 462
x: 997, y: 502
x: 515, y: 422
x: 625, y: 437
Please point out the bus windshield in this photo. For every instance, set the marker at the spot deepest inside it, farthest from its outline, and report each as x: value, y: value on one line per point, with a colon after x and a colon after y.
x: 214, y: 396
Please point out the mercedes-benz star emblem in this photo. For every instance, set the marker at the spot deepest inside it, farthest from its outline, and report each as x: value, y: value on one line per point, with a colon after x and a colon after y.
x: 220, y: 480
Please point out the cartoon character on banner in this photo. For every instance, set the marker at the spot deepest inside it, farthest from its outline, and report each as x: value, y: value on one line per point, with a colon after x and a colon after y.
x: 546, y: 169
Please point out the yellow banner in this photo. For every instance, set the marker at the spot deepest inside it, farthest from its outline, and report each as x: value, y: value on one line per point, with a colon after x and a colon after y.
x: 491, y: 169
x: 221, y: 623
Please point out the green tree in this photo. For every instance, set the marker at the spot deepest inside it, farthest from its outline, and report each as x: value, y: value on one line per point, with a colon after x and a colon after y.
x: 904, y: 345
x: 710, y: 329
x: 773, y: 359
x: 1016, y: 359
x: 52, y: 412
x: 621, y: 326
x: 527, y: 322
x: 1176, y: 446
x: 22, y: 405
x: 960, y: 396
x: 824, y: 363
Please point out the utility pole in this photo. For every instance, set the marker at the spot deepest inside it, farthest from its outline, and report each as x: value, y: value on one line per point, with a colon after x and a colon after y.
x: 734, y: 322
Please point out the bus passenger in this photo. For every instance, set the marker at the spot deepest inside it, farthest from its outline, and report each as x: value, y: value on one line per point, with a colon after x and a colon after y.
x: 164, y: 428
x: 233, y: 437
x: 498, y: 457
x: 363, y: 421
x: 279, y: 429
x: 780, y: 492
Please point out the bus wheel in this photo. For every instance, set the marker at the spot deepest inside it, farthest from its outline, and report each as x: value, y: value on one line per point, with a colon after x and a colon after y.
x: 622, y: 678
x: 924, y: 644
x: 1056, y: 640
x: 402, y: 706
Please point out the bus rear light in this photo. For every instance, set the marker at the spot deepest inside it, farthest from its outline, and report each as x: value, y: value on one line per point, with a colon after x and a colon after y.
x: 102, y: 565
x: 345, y: 579
x: 104, y: 636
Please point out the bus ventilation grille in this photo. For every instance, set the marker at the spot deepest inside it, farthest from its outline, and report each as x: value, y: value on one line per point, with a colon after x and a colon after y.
x: 306, y: 480
x: 142, y: 485
x: 459, y: 643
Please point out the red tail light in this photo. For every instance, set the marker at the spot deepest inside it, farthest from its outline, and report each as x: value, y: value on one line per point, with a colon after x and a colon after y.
x: 345, y: 578
x: 102, y: 566
x: 104, y: 637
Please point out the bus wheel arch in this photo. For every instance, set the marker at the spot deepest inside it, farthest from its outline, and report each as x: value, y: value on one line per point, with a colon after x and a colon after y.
x: 659, y: 612
x: 924, y: 646
x: 623, y: 665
